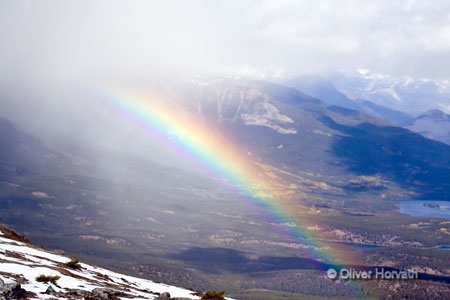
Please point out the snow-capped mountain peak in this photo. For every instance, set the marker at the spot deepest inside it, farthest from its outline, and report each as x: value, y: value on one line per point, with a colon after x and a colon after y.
x: 402, y: 93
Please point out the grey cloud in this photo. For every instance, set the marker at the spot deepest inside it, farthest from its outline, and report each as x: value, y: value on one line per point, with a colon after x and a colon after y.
x: 126, y: 39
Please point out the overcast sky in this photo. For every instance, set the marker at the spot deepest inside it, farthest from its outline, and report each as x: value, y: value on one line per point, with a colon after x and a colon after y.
x: 88, y: 40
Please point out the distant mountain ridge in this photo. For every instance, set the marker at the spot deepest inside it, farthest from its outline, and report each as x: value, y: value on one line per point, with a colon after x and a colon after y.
x: 323, y: 88
x: 261, y: 116
x: 403, y: 93
x: 395, y: 99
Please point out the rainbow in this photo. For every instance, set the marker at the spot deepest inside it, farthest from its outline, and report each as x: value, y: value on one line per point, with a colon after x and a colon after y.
x: 193, y: 139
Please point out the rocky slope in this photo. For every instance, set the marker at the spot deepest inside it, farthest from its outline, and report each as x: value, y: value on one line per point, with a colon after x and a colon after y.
x: 28, y: 272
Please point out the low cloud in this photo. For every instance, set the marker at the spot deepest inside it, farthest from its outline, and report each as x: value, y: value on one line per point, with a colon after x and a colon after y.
x: 122, y: 40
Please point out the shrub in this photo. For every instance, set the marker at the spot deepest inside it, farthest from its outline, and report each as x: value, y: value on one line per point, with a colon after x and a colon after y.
x: 214, y: 295
x: 74, y: 264
x: 47, y: 279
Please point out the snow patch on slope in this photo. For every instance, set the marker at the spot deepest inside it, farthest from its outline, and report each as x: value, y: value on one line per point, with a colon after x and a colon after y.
x: 23, y: 263
x: 266, y: 114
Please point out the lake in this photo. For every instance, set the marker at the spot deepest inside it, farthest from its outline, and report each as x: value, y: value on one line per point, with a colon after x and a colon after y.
x: 425, y: 208
x: 443, y: 248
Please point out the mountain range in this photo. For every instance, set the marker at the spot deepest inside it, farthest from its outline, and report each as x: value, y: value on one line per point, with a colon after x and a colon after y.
x: 316, y: 136
x: 400, y: 100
